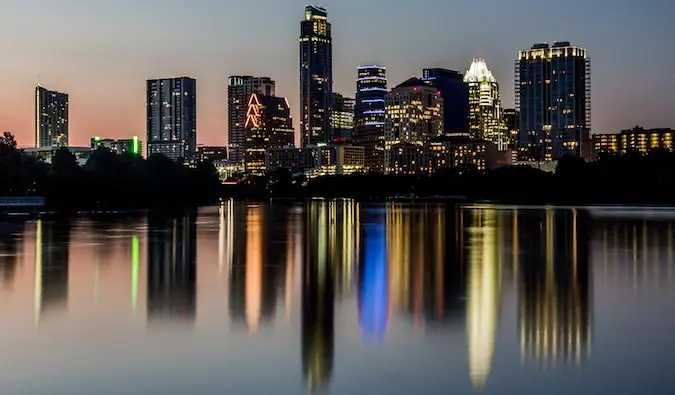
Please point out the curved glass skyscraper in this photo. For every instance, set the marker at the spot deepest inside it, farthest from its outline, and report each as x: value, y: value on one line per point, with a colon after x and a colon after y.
x: 371, y: 87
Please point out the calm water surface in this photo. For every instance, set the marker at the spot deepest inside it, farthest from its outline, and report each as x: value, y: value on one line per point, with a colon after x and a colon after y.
x: 342, y: 298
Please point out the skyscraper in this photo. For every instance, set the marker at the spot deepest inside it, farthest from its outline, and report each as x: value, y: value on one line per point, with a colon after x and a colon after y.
x: 414, y: 115
x: 51, y: 118
x: 369, y: 114
x: 239, y: 91
x: 553, y: 94
x: 455, y: 94
x: 268, y: 126
x: 172, y: 117
x: 316, y: 76
x: 485, y: 117
x: 342, y: 117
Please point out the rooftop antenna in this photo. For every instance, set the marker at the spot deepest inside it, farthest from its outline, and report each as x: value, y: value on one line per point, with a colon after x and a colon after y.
x: 38, y: 80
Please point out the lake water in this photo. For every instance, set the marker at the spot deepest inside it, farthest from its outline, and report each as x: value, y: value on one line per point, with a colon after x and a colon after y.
x: 340, y: 297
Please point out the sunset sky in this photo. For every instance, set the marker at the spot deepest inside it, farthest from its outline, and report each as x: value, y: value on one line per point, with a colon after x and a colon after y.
x: 101, y: 52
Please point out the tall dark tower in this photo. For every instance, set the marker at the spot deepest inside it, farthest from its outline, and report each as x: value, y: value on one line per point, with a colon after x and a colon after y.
x: 553, y: 95
x: 371, y: 86
x: 316, y: 76
x: 172, y: 118
x: 51, y: 118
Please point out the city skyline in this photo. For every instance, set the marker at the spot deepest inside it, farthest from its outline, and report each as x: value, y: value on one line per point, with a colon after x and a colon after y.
x: 77, y: 62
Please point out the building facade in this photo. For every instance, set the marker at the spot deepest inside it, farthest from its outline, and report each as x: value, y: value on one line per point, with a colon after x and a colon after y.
x: 485, y: 109
x: 369, y: 114
x: 342, y: 117
x: 455, y: 151
x: 133, y: 145
x: 268, y: 126
x: 553, y: 95
x: 316, y: 76
x: 172, y: 118
x: 455, y: 94
x: 207, y: 153
x: 51, y: 118
x: 239, y: 91
x: 637, y: 140
x: 414, y: 115
x: 320, y: 160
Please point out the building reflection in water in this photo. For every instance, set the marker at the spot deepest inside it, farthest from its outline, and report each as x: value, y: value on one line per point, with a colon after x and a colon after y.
x: 554, y: 290
x: 258, y: 264
x: 481, y: 245
x: 636, y: 252
x: 11, y: 245
x: 373, y: 292
x: 318, y: 283
x: 424, y: 279
x: 172, y: 268
x: 52, y: 243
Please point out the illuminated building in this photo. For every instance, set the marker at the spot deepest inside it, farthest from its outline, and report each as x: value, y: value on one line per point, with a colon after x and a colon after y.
x: 172, y: 268
x: 637, y: 139
x: 407, y: 158
x: 316, y: 76
x: 512, y: 122
x: 132, y: 146
x: 458, y: 151
x: 609, y: 143
x: 554, y: 290
x: 455, y: 94
x: 239, y: 91
x: 414, y: 115
x: 172, y: 118
x: 342, y: 117
x: 485, y: 118
x: 51, y: 118
x: 369, y: 114
x: 553, y: 95
x: 268, y: 126
x: 211, y: 153
x: 318, y: 160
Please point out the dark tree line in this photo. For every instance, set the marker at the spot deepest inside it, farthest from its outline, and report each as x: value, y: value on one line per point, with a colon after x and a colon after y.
x: 107, y: 181
x: 632, y: 178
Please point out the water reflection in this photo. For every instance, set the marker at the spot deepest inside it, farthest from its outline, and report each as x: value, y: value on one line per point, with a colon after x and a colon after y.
x: 555, y: 314
x: 442, y: 296
x: 51, y: 266
x: 11, y: 244
x: 484, y: 290
x: 172, y: 268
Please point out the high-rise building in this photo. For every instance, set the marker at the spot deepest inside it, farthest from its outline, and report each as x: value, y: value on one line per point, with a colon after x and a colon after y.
x: 239, y: 91
x: 512, y: 123
x: 123, y: 146
x: 172, y: 117
x: 414, y: 115
x: 369, y: 114
x: 268, y: 126
x: 485, y: 118
x: 553, y: 95
x: 51, y: 118
x: 455, y: 94
x: 342, y: 117
x: 316, y: 76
